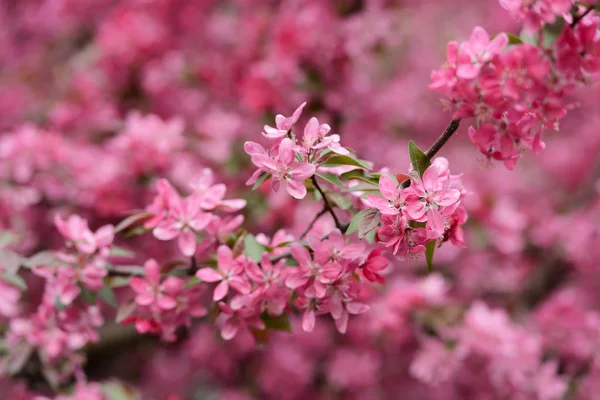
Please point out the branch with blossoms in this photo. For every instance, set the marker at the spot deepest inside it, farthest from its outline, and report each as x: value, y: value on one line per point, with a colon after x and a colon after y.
x: 508, y: 89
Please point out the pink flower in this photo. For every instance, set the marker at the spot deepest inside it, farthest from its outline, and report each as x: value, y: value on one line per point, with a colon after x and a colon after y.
x: 229, y: 272
x: 235, y: 317
x: 402, y: 238
x: 151, y: 291
x: 284, y: 168
x: 315, y: 274
x: 211, y: 195
x: 185, y: 218
x: 315, y: 138
x: 283, y: 124
x: 429, y: 193
x: 77, y: 231
x: 394, y: 199
x: 480, y: 50
x: 373, y: 265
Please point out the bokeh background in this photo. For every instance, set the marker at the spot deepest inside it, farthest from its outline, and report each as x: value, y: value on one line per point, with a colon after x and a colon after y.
x: 98, y: 98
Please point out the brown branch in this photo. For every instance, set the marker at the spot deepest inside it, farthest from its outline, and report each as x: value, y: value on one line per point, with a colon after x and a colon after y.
x: 328, y: 206
x: 576, y: 19
x: 438, y: 144
x: 311, y: 224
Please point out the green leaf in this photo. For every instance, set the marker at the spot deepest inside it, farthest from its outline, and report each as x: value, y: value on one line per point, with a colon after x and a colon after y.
x: 512, y: 39
x: 59, y: 305
x: 418, y: 159
x: 7, y: 238
x: 290, y: 262
x: 191, y: 282
x: 551, y: 32
x: 127, y: 269
x: 361, y: 175
x: 429, y: 249
x: 116, y: 251
x: 14, y: 279
x: 280, y: 323
x: 88, y: 295
x: 369, y: 222
x: 108, y: 295
x: 252, y: 249
x: 43, y: 258
x: 338, y: 160
x: 331, y: 178
x: 261, y: 179
x: 363, y: 187
x: 11, y: 261
x: 341, y: 201
x: 353, y: 227
x: 370, y: 237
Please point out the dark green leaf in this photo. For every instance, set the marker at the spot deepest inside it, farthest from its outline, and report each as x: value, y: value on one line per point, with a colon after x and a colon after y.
x: 361, y: 175
x: 59, y: 305
x: 280, y: 323
x: 429, y: 249
x: 121, y: 252
x: 338, y: 160
x: 252, y: 249
x: 88, y: 295
x: 14, y: 279
x: 191, y: 282
x: 261, y: 179
x: 331, y: 178
x: 512, y: 39
x: 418, y: 159
x: 353, y: 227
x: 108, y: 295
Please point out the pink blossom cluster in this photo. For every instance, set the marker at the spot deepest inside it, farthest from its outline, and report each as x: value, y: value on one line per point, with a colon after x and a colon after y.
x: 513, y: 93
x: 432, y: 201
x: 534, y: 14
x: 123, y: 200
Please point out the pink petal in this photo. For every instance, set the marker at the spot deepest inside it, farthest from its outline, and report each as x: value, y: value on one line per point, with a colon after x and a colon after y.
x: 208, y: 275
x: 388, y: 187
x: 264, y: 162
x: 200, y: 221
x: 166, y: 302
x: 295, y: 188
x: 187, y: 242
x: 240, y: 284
x: 253, y: 148
x: 431, y: 179
x: 286, y: 152
x: 311, y: 131
x: 296, y: 280
x: 357, y: 308
x: 230, y: 329
x: 300, y: 254
x: 447, y: 197
x: 308, y: 321
x: 152, y: 270
x: 302, y: 171
x: 221, y: 291
x: 166, y: 230
x: 382, y: 205
x: 138, y: 284
x: 105, y: 235
x: 144, y: 299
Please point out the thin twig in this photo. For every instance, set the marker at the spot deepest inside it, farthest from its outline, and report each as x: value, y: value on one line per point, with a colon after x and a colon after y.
x: 576, y: 19
x: 309, y: 227
x: 328, y: 207
x: 438, y: 144
x: 448, y: 132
